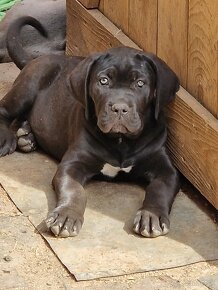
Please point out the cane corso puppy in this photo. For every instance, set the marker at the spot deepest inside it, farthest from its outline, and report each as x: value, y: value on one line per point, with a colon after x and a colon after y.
x: 100, y: 115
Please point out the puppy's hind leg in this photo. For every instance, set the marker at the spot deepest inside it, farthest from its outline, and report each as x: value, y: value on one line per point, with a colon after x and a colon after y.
x: 25, y: 139
x: 15, y: 104
x: 36, y: 76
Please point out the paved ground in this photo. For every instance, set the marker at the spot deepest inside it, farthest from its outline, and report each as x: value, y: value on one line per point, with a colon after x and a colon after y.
x: 27, y: 262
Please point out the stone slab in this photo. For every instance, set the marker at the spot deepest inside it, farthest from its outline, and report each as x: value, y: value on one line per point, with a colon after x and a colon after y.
x: 106, y: 245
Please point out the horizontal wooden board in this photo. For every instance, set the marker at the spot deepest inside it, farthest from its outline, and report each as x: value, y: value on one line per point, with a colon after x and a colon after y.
x: 193, y: 131
x: 193, y: 143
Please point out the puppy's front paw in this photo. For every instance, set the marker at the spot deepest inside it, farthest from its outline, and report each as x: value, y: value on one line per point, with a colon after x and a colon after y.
x: 8, y: 141
x: 64, y: 222
x: 151, y: 224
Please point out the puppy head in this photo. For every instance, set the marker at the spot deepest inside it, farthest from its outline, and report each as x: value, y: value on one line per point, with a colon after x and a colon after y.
x: 121, y: 84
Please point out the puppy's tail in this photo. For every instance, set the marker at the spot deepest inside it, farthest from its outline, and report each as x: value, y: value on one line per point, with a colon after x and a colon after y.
x: 15, y: 49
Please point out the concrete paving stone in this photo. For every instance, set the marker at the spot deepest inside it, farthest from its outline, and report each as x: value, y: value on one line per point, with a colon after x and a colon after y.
x: 211, y: 281
x: 106, y: 245
x: 150, y: 283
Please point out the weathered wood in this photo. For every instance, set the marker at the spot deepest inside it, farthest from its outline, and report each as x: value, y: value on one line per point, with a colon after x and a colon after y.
x: 90, y: 31
x: 90, y: 4
x: 193, y: 143
x: 143, y: 24
x: 117, y: 11
x: 193, y: 131
x: 101, y: 6
x: 202, y: 53
x: 172, y: 35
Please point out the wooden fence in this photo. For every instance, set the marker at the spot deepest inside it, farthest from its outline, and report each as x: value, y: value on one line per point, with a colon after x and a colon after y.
x: 182, y: 32
x: 185, y: 34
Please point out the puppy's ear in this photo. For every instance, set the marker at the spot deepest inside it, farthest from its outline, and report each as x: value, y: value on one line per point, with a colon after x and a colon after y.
x: 79, y: 81
x: 167, y: 83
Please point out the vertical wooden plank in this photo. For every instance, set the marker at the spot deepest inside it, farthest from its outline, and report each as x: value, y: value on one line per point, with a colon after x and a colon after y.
x: 172, y: 35
x: 89, y: 31
x: 143, y: 24
x: 117, y: 12
x: 101, y: 6
x: 203, y: 53
x: 90, y: 4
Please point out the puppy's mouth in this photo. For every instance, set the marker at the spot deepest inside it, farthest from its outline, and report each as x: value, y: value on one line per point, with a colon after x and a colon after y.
x: 120, y: 126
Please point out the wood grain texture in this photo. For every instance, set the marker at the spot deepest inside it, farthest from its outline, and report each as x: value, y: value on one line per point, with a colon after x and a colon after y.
x: 172, y: 35
x: 90, y: 31
x: 89, y: 4
x: 193, y: 143
x: 117, y: 11
x: 193, y: 131
x: 203, y: 53
x: 143, y: 24
x: 101, y: 6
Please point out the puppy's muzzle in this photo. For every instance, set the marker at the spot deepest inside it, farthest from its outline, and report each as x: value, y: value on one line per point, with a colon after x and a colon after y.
x: 119, y: 117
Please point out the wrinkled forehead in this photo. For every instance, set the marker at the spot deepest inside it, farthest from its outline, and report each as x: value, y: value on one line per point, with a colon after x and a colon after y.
x: 123, y: 62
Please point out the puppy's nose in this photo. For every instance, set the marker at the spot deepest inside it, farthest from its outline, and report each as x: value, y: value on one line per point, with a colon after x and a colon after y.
x: 120, y: 108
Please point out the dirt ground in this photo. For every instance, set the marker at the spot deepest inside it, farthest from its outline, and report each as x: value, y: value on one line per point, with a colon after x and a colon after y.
x: 27, y: 262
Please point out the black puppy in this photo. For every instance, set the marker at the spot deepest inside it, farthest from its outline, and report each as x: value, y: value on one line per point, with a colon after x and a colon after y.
x: 98, y: 115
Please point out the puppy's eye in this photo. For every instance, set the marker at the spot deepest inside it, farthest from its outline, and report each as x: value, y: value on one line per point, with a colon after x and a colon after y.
x: 104, y: 81
x: 140, y: 83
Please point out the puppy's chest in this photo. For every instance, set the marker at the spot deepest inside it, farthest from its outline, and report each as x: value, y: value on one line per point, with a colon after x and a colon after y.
x: 112, y: 171
x: 121, y: 158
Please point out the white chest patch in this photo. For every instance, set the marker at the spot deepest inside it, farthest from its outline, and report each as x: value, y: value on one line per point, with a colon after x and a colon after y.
x: 112, y: 171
